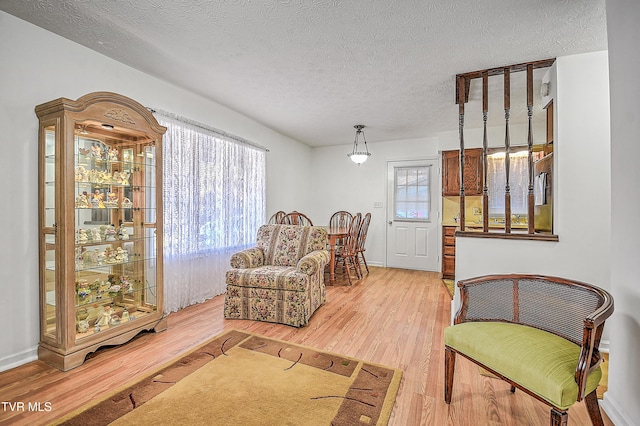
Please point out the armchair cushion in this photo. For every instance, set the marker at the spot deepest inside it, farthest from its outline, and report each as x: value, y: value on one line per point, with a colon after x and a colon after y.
x: 541, y: 362
x: 249, y: 258
x: 313, y: 262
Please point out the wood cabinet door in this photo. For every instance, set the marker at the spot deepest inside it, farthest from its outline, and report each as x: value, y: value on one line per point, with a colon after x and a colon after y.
x: 473, y: 172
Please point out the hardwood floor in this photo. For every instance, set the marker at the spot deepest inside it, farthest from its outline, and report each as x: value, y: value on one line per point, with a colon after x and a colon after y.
x: 392, y: 316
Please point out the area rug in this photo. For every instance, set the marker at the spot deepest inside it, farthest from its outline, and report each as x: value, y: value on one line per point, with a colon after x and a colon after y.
x: 239, y: 378
x: 449, y: 284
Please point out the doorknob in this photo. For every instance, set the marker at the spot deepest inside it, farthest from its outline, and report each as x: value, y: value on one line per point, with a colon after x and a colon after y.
x: 390, y: 222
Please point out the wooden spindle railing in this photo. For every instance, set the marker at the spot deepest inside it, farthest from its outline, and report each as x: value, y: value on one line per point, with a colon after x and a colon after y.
x: 530, y: 194
x: 462, y: 92
x: 507, y: 149
x: 485, y: 152
x: 462, y: 89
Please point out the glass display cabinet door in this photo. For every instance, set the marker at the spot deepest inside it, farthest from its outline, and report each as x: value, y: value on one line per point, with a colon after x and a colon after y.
x: 48, y: 227
x: 115, y: 232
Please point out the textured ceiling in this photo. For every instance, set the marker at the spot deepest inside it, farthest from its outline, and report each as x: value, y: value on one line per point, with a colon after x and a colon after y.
x: 311, y: 69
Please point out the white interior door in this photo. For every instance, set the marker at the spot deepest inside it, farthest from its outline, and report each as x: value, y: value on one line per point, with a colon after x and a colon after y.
x: 412, y: 208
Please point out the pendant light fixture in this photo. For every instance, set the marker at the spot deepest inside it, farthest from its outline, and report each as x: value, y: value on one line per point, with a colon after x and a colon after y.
x: 357, y: 156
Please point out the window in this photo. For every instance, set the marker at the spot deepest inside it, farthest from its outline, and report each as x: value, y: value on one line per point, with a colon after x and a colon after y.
x: 412, y: 198
x: 214, y: 202
x: 518, y: 182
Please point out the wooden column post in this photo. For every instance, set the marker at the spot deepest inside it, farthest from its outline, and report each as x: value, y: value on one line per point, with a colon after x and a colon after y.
x: 485, y: 149
x: 530, y: 195
x: 507, y: 148
x: 461, y: 99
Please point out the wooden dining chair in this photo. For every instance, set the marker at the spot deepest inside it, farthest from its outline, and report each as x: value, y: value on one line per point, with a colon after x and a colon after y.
x: 340, y: 219
x: 346, y: 255
x: 276, y: 217
x: 362, y: 238
x: 296, y: 218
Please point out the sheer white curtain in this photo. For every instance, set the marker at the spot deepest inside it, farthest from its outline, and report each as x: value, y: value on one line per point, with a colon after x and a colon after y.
x: 518, y: 183
x: 214, y: 202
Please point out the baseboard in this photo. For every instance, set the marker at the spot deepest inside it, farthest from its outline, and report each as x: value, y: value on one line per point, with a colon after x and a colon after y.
x: 615, y: 412
x: 16, y: 360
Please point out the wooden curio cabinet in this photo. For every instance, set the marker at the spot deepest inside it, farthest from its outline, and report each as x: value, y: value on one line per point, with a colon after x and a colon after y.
x: 100, y: 225
x: 473, y: 172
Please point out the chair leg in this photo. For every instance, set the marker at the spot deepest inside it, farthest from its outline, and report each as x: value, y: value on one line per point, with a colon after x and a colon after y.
x: 356, y: 266
x: 558, y: 417
x: 593, y: 408
x: 365, y: 262
x: 449, y: 368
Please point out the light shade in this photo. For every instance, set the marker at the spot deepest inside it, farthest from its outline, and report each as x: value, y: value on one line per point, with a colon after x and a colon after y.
x: 357, y: 156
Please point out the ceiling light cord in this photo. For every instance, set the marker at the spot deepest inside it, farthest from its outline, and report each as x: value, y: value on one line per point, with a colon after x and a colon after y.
x: 357, y: 156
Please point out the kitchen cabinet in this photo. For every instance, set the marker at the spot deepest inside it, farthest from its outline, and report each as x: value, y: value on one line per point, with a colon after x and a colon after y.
x: 473, y: 172
x: 448, y: 252
x: 100, y: 225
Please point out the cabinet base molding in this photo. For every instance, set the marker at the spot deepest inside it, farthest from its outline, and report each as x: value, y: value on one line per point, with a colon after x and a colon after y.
x: 68, y: 361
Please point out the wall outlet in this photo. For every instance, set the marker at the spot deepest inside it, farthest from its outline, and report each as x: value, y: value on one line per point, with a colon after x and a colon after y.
x: 377, y: 205
x: 477, y: 211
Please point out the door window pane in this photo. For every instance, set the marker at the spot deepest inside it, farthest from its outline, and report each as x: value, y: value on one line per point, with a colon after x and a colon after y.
x: 412, y: 198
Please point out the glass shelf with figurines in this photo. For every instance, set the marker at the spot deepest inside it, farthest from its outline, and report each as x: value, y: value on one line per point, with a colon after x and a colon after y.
x: 103, y: 233
x: 102, y: 260
x: 111, y: 288
x: 102, y: 317
x: 97, y: 200
x: 97, y: 154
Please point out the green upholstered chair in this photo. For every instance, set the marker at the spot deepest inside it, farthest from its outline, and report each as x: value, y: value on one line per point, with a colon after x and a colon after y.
x: 540, y: 334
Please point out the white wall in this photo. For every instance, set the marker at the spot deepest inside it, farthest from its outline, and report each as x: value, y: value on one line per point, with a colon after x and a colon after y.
x: 38, y: 66
x: 621, y: 401
x: 339, y: 184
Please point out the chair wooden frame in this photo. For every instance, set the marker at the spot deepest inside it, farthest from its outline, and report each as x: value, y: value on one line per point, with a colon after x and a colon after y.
x: 360, y: 245
x: 276, y: 218
x: 347, y: 253
x: 296, y: 218
x: 593, y: 325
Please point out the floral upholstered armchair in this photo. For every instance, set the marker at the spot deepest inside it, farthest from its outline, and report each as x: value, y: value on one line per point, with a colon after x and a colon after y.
x: 281, y: 279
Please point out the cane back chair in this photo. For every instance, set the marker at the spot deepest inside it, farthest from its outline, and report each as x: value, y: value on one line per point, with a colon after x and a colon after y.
x: 539, y: 333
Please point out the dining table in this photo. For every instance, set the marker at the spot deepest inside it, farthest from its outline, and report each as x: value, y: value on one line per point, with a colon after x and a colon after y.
x: 336, y: 234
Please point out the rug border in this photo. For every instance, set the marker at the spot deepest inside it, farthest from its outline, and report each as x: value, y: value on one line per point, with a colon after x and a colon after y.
x: 385, y: 411
x: 153, y: 372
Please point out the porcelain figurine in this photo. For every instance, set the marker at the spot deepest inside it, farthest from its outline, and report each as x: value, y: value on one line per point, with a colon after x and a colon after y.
x: 82, y: 326
x: 125, y: 315
x: 123, y: 234
x: 126, y: 203
x: 82, y: 201
x: 105, y: 317
x: 96, y: 152
x: 112, y: 200
x: 95, y: 235
x: 83, y: 238
x: 115, y: 320
x: 122, y: 255
x: 126, y: 284
x: 113, y: 155
x: 110, y: 233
